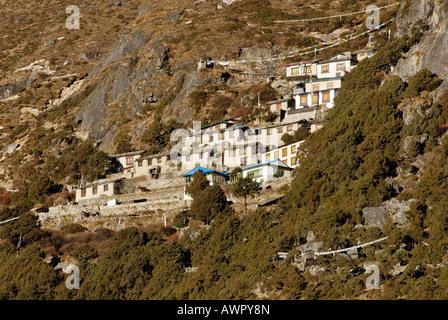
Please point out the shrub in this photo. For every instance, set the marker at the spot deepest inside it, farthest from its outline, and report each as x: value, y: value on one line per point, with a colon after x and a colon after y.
x: 424, y: 80
x: 5, y: 197
x: 73, y: 228
x: 208, y: 203
x: 85, y: 252
x: 199, y: 183
x: 300, y: 134
x: 180, y: 220
x: 103, y: 234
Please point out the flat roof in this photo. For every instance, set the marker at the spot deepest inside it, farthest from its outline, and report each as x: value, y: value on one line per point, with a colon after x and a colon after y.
x: 101, y: 182
x: 323, y: 79
x: 300, y: 63
x: 335, y: 60
x: 280, y: 100
x: 131, y: 153
x: 286, y: 145
x: 277, y: 125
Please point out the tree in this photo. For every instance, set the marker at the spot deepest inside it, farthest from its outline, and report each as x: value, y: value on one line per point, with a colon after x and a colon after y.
x: 235, y: 172
x: 41, y: 186
x: 198, y: 184
x: 21, y: 231
x: 421, y: 81
x: 208, y: 203
x: 180, y: 220
x: 244, y: 187
x: 300, y: 134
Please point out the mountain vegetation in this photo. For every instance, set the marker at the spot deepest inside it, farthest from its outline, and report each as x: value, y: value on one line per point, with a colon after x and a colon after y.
x: 384, y: 139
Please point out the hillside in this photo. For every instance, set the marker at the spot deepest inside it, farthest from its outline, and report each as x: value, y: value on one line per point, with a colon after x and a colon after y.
x: 375, y: 171
x: 114, y: 89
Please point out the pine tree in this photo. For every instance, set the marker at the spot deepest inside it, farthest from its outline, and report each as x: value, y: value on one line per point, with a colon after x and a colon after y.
x: 244, y: 187
x: 198, y: 184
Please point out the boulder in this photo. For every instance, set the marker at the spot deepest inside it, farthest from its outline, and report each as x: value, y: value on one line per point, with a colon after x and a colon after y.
x: 310, y: 247
x: 398, y: 209
x: 87, y: 55
x: 10, y: 148
x: 374, y: 216
x: 310, y: 236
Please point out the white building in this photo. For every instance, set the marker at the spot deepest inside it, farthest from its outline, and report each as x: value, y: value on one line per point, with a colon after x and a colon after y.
x: 317, y: 92
x: 286, y: 153
x: 366, y: 53
x: 299, y: 69
x: 104, y: 188
x: 127, y: 160
x: 236, y: 146
x: 214, y: 177
x: 336, y: 66
x: 265, y: 171
x: 283, y: 104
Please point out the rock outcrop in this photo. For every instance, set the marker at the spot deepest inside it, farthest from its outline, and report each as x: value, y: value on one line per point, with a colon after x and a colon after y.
x: 432, y: 51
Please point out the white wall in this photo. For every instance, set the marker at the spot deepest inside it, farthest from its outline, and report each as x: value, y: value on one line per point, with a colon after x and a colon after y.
x: 286, y: 159
x: 333, y: 72
x: 301, y: 70
x: 330, y: 104
x: 100, y: 192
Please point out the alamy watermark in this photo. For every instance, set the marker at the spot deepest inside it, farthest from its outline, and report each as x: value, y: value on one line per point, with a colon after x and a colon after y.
x: 73, y: 280
x: 233, y: 146
x: 373, y: 21
x: 72, y: 22
x: 373, y: 281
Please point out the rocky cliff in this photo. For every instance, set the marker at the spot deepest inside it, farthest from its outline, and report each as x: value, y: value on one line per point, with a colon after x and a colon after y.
x: 432, y: 51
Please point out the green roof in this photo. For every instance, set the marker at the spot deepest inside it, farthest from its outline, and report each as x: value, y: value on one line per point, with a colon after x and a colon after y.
x: 212, y: 124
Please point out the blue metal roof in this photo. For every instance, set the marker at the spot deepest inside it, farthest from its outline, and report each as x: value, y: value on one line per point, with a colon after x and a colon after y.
x: 204, y: 170
x: 265, y: 163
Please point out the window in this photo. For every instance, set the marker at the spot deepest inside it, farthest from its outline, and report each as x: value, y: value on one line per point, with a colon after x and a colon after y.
x: 268, y: 157
x: 105, y: 187
x: 293, y: 149
x: 307, y: 69
x: 325, y: 69
x: 242, y: 151
x: 276, y: 154
x: 289, y: 128
x: 188, y: 179
x: 279, y: 106
x: 326, y: 96
x: 315, y: 87
x: 280, y: 130
x: 268, y: 132
x: 340, y: 67
x: 83, y: 192
x: 330, y: 85
x: 315, y: 98
x: 279, y: 173
x: 284, y: 152
x: 254, y: 173
x: 293, y: 161
x: 94, y: 190
x: 304, y: 100
x: 129, y: 161
x: 295, y: 71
